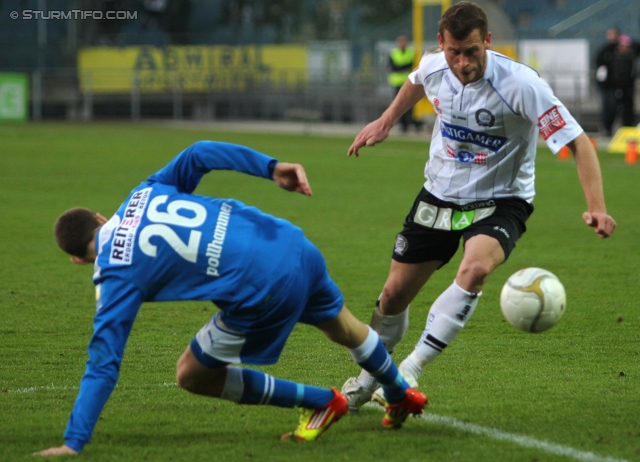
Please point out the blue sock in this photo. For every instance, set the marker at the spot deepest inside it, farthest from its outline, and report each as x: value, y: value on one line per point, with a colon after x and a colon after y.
x: 373, y: 358
x: 261, y: 388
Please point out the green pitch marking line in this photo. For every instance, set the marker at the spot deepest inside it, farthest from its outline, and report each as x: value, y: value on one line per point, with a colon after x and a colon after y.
x: 521, y: 440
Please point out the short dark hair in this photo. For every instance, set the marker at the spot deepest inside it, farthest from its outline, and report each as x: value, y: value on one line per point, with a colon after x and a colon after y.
x: 74, y: 229
x: 461, y: 19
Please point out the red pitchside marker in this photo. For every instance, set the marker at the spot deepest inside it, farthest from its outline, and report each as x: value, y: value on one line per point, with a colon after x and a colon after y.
x: 565, y: 153
x: 631, y: 156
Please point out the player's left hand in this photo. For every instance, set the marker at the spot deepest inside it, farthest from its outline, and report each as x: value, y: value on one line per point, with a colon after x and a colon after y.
x: 291, y: 177
x: 57, y: 451
x: 602, y: 223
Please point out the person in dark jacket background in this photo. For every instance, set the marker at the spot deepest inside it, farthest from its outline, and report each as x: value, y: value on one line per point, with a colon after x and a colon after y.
x: 615, y: 74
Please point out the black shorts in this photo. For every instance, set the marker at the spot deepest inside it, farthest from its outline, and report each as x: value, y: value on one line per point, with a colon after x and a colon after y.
x: 433, y: 228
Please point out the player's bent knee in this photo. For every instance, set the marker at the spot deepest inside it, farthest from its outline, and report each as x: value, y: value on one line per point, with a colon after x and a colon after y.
x: 195, y: 377
x: 474, y: 272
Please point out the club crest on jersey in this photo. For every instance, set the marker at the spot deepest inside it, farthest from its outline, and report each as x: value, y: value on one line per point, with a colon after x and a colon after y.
x: 468, y: 136
x: 485, y: 118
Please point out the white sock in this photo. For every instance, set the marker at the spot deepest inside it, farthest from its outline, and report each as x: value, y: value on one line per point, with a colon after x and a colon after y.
x: 391, y: 329
x: 233, y: 385
x: 367, y: 381
x: 447, y: 316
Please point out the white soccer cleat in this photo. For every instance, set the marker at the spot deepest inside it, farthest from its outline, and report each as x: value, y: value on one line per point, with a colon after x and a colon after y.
x: 378, y: 394
x: 356, y: 394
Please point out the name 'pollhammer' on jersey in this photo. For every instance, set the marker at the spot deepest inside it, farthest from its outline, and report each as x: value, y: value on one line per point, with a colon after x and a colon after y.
x: 480, y: 147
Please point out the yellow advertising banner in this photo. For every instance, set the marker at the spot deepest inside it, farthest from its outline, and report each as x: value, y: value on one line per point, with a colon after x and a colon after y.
x: 190, y: 68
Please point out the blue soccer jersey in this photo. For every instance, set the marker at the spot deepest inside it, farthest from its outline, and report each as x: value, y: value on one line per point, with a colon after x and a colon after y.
x: 165, y: 243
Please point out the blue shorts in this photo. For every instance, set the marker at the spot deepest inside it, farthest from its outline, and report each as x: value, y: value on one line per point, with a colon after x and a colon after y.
x: 311, y: 297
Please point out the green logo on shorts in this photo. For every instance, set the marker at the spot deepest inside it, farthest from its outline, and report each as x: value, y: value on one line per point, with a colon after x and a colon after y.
x: 461, y: 220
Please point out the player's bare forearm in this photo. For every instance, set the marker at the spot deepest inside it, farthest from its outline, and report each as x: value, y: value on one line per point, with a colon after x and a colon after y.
x: 57, y: 451
x: 291, y: 177
x: 591, y: 180
x: 378, y: 130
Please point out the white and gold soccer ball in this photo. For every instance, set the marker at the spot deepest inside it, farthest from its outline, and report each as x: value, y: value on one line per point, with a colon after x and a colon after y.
x: 533, y: 300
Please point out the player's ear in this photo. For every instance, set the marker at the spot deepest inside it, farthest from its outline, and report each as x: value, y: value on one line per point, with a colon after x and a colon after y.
x: 101, y: 219
x: 79, y: 261
x: 487, y: 40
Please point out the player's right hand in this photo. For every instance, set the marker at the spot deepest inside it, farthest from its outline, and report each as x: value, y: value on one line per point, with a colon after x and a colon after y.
x: 374, y: 133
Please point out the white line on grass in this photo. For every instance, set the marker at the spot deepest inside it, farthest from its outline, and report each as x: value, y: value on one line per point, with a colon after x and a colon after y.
x: 521, y: 440
x: 496, y: 434
x: 53, y: 387
x: 36, y: 389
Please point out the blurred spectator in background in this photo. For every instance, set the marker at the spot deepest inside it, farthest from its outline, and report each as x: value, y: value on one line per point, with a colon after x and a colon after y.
x: 623, y: 77
x: 604, y: 59
x: 337, y: 20
x: 616, y: 74
x: 400, y: 66
x: 321, y: 21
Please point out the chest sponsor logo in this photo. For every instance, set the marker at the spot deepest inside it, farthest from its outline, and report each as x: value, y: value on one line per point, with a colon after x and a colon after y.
x: 125, y: 234
x: 550, y: 122
x: 468, y: 136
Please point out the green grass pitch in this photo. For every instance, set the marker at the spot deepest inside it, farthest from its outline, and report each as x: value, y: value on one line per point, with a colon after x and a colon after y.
x: 497, y: 394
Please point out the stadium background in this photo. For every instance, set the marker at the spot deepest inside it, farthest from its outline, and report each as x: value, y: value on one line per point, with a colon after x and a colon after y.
x: 278, y: 60
x: 571, y: 393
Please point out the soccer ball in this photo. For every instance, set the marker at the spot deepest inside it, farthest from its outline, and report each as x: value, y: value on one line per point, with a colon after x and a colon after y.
x: 533, y: 300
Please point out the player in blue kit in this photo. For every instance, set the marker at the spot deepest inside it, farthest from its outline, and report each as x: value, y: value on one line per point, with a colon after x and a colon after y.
x: 165, y: 243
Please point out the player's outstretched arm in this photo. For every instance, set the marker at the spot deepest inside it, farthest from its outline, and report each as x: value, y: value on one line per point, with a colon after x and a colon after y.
x: 291, y: 177
x: 378, y: 130
x: 57, y: 451
x: 591, y: 181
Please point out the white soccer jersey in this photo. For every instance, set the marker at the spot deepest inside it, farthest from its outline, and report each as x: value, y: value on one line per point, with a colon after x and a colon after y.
x: 484, y: 140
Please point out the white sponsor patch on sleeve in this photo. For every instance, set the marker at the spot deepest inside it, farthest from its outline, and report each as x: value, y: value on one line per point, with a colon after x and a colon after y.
x: 123, y: 239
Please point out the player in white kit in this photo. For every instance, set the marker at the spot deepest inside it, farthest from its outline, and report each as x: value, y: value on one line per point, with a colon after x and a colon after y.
x: 480, y: 181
